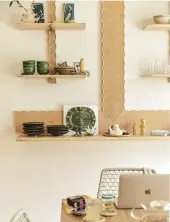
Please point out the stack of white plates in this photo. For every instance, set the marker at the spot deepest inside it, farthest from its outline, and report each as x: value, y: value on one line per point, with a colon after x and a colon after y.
x: 160, y: 133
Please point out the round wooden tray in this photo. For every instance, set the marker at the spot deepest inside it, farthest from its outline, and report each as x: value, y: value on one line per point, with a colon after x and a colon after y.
x: 109, y: 135
x: 64, y: 68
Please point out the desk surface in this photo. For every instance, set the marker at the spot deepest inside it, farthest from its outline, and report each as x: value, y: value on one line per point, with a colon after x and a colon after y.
x: 121, y: 216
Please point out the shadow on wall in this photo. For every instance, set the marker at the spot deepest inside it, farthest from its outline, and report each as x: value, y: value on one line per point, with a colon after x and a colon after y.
x: 143, y: 23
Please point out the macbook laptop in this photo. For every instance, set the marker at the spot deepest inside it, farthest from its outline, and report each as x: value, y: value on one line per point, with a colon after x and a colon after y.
x: 142, y: 189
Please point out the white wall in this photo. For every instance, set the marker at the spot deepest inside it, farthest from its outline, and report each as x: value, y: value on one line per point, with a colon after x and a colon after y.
x: 36, y: 176
x: 140, y: 47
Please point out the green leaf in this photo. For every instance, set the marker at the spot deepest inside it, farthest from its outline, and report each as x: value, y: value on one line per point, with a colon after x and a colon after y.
x: 10, y: 4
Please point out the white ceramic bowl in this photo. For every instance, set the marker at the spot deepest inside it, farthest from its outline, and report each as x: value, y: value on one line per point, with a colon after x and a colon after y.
x: 162, y: 19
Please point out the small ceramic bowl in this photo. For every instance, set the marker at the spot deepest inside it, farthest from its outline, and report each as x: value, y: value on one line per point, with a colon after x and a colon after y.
x: 162, y: 19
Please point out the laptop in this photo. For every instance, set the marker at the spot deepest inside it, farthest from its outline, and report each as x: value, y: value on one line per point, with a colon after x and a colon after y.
x: 135, y: 190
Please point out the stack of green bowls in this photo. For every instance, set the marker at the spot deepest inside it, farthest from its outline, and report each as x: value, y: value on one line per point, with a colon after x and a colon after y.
x: 42, y: 67
x: 29, y: 67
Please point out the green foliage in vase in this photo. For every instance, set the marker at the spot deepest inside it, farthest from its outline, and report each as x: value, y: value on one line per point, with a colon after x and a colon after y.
x: 18, y: 3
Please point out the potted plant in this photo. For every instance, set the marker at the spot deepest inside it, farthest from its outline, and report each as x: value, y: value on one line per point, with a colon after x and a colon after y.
x: 28, y: 16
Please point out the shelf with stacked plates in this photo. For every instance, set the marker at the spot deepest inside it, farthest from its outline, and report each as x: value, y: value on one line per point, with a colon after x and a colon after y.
x: 46, y: 137
x: 51, y: 26
x: 51, y: 126
x: 37, y: 131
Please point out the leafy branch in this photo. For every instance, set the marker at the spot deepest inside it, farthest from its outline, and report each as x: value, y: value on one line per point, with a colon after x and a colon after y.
x: 18, y: 3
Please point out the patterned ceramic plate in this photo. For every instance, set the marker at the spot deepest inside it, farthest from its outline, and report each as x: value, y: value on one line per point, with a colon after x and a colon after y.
x: 79, y: 118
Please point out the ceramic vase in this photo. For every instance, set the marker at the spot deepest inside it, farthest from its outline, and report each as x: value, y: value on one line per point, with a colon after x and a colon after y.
x: 28, y: 16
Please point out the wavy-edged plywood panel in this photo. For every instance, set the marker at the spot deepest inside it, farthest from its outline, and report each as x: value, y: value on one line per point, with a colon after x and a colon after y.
x: 113, y: 58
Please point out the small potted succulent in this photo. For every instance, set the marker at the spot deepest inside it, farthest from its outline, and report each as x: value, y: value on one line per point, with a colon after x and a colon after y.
x: 28, y: 16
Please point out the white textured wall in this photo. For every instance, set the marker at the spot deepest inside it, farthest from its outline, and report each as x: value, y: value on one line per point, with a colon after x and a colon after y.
x: 37, y: 175
x: 140, y: 47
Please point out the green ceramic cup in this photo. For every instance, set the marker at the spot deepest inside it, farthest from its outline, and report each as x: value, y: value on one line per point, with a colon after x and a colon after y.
x: 42, y: 67
x: 28, y: 66
x: 29, y: 62
x: 43, y: 71
x: 27, y: 71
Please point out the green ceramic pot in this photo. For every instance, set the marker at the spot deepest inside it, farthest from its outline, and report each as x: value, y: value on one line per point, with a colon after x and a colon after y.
x: 29, y: 62
x: 28, y: 66
x: 28, y: 71
x: 41, y: 62
x: 43, y: 71
x: 42, y: 65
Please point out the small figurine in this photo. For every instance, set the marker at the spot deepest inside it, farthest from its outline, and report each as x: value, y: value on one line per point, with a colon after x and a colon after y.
x: 90, y: 131
x: 134, y: 128
x: 81, y: 65
x: 115, y: 130
x: 143, y: 127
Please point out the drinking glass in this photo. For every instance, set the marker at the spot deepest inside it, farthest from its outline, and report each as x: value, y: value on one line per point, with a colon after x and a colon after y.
x: 93, y: 209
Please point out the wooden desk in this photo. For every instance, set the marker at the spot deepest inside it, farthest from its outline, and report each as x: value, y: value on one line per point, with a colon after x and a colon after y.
x: 121, y: 216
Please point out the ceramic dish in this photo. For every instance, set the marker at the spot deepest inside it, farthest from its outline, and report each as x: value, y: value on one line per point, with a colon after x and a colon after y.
x: 57, y: 133
x: 34, y: 134
x: 162, y: 19
x: 34, y: 131
x: 79, y: 213
x: 108, y: 214
x: 102, y: 219
x: 57, y: 129
x: 33, y: 124
x: 33, y: 127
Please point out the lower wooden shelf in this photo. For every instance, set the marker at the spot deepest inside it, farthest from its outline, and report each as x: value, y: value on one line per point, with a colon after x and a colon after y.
x: 89, y: 138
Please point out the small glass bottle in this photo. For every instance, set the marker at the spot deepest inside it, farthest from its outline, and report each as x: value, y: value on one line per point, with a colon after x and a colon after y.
x: 107, y: 205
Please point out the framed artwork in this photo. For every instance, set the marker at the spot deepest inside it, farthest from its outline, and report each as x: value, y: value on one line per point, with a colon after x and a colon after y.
x: 69, y: 13
x: 38, y: 9
x: 81, y: 117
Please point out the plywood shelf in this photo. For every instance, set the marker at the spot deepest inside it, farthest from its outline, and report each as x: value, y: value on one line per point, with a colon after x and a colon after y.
x: 155, y: 76
x: 68, y: 26
x: 88, y: 138
x: 51, y: 26
x: 37, y: 76
x: 157, y: 27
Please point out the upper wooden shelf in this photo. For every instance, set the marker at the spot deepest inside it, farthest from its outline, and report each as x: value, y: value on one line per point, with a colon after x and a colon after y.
x: 89, y: 138
x: 51, y: 26
x: 158, y: 27
x: 37, y: 76
x: 155, y: 76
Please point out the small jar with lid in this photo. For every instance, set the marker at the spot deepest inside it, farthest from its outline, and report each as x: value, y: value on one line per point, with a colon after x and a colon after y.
x: 107, y: 205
